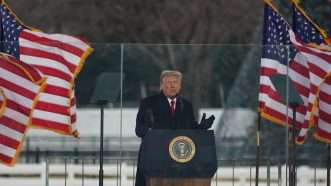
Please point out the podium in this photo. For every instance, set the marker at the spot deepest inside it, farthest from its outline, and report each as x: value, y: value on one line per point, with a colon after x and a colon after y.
x: 178, y: 157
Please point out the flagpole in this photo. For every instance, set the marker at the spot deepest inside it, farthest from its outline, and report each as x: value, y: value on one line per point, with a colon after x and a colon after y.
x: 288, y: 146
x: 293, y: 146
x: 257, y: 163
x: 121, y: 109
x: 101, y: 143
x: 293, y: 105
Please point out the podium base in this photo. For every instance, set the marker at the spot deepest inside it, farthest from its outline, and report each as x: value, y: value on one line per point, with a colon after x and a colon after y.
x: 156, y: 181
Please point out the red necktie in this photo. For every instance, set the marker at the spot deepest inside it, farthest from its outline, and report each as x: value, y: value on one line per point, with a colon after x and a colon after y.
x: 172, y: 107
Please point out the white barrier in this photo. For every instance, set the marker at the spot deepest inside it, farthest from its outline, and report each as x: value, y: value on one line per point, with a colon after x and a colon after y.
x: 87, y: 175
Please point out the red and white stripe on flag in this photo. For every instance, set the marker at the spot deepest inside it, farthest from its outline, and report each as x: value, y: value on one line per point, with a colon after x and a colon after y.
x: 323, y: 129
x: 20, y: 86
x: 60, y: 57
x: 271, y: 104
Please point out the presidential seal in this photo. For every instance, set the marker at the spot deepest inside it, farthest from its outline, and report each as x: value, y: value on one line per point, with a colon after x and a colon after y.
x: 182, y: 149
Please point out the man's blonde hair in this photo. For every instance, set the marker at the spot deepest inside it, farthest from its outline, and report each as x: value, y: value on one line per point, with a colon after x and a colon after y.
x: 170, y: 73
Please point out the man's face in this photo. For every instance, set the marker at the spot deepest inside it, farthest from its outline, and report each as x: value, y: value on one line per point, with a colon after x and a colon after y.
x: 171, y: 86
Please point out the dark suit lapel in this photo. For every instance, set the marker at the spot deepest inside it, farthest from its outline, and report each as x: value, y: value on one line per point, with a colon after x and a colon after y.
x: 165, y: 105
x: 178, y: 113
x: 165, y: 108
x: 178, y: 108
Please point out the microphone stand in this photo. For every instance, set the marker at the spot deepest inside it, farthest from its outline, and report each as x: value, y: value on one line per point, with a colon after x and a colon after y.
x: 102, y: 104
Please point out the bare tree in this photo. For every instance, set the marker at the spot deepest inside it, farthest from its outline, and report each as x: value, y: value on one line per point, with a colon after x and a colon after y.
x: 189, y: 24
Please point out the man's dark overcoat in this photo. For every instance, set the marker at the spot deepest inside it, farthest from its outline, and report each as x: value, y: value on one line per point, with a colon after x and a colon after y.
x: 154, y: 113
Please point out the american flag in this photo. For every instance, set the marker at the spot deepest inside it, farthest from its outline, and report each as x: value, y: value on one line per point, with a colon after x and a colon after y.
x: 275, y: 61
x: 20, y: 86
x: 59, y: 57
x: 306, y: 71
x: 319, y: 110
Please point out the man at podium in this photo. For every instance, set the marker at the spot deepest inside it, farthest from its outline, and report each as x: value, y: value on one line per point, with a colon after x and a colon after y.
x: 167, y: 110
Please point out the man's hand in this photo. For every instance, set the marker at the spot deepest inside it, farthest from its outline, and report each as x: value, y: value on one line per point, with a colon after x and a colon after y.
x: 206, y: 123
